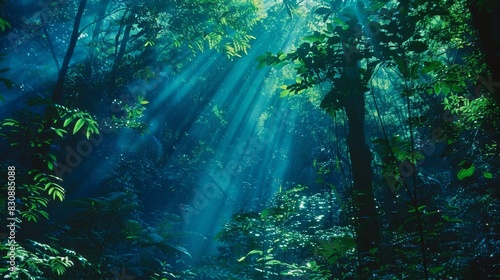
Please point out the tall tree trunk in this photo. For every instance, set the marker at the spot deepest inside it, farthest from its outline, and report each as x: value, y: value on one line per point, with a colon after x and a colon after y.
x: 47, y: 135
x: 487, y: 24
x: 49, y: 42
x: 120, y: 49
x: 101, y: 12
x: 58, y: 96
x: 365, y: 212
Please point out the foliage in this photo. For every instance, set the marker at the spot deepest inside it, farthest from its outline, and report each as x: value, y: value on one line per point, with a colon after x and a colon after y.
x: 8, y: 83
x: 288, y: 239
x: 34, y: 187
x: 27, y: 125
x: 407, y: 39
x: 25, y: 133
x: 190, y: 24
x: 40, y: 261
x: 129, y: 115
x: 113, y: 220
x: 422, y: 51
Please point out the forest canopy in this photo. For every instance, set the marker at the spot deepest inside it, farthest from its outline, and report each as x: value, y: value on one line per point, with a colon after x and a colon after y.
x: 250, y: 139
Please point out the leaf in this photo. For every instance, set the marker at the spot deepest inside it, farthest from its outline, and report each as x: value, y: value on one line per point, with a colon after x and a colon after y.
x: 255, y: 252
x: 322, y: 11
x: 50, y: 165
x: 437, y: 88
x: 180, y: 249
x: 144, y: 102
x: 402, y: 66
x: 375, y: 7
x: 464, y: 173
x: 8, y: 83
x: 436, y: 269
x: 456, y: 88
x: 487, y: 175
x: 331, y: 101
x: 314, y: 38
x: 430, y: 66
x: 78, y: 125
x: 284, y: 93
x: 251, y: 253
x: 67, y: 122
x: 59, y: 195
x: 417, y: 46
x: 273, y: 262
x: 445, y: 88
x: 420, y: 208
x: 414, y: 71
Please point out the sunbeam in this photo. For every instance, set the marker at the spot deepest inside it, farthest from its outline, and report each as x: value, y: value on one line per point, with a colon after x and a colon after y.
x: 249, y: 139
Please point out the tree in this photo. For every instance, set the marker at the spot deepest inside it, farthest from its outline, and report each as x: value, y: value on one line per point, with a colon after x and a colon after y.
x: 345, y: 53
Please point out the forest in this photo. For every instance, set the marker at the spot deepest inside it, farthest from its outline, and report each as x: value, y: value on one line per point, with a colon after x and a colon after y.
x: 249, y: 139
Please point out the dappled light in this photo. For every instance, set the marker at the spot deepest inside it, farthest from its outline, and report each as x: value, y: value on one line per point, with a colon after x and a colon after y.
x: 249, y: 139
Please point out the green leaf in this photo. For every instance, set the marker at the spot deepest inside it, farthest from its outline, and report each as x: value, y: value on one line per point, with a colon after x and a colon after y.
x: 60, y: 131
x: 417, y: 46
x: 50, y: 165
x: 284, y: 93
x: 420, y: 208
x: 456, y: 88
x: 251, y: 253
x: 375, y: 7
x: 436, y: 269
x: 273, y: 262
x: 437, y: 88
x: 430, y: 66
x: 78, y: 125
x: 67, y: 122
x: 314, y: 38
x: 464, y: 173
x: 144, y: 102
x: 487, y: 175
x: 445, y: 88
x: 59, y: 195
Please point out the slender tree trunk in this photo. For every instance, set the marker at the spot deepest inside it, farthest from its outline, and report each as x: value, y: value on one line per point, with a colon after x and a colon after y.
x: 47, y: 135
x: 365, y: 212
x: 120, y: 49
x: 103, y: 5
x: 58, y: 96
x: 49, y: 42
